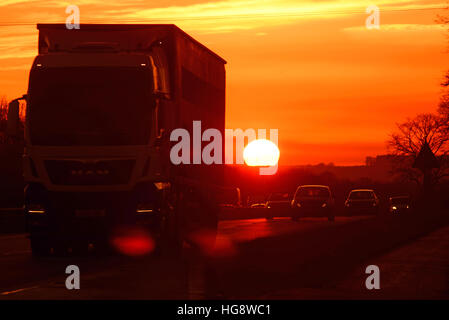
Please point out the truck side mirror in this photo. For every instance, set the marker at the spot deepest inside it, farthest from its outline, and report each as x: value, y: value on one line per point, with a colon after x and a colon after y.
x: 12, y: 126
x: 161, y: 95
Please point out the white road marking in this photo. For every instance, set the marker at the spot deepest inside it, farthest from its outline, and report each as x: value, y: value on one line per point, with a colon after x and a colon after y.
x: 18, y: 290
x: 13, y: 236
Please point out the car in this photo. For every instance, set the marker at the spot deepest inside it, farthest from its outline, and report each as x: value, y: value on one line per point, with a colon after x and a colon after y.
x: 258, y: 205
x: 278, y: 204
x: 230, y: 198
x: 313, y: 201
x: 362, y: 201
x: 399, y: 204
x: 256, y: 201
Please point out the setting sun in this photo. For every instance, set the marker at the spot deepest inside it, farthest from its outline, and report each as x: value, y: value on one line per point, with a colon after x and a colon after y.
x: 261, y: 152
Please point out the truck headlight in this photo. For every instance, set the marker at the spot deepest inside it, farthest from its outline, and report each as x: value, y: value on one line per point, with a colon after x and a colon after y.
x: 144, y: 209
x: 35, y: 209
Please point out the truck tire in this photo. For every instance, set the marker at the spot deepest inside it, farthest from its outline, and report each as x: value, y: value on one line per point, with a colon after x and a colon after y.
x: 102, y: 247
x: 80, y: 248
x: 171, y: 242
x: 60, y: 249
x: 40, y: 247
x: 197, y: 219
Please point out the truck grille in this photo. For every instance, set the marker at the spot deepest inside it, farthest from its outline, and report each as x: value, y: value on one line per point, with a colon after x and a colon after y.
x: 75, y: 172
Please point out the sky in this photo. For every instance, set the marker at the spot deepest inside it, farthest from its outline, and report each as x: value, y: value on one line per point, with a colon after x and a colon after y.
x: 311, y: 69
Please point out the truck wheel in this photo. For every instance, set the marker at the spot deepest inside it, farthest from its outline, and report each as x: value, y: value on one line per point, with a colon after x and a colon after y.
x: 193, y: 221
x: 103, y: 247
x: 60, y: 249
x: 39, y: 247
x: 172, y: 237
x: 171, y: 242
x: 80, y: 248
x: 199, y: 220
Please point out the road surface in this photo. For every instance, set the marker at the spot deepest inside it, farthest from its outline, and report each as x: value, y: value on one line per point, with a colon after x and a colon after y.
x: 147, y: 277
x: 417, y: 270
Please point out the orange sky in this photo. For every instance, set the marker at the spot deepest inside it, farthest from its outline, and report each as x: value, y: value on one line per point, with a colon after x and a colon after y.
x: 333, y: 88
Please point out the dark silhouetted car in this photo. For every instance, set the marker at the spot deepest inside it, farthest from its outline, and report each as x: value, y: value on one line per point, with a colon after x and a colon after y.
x: 229, y: 200
x: 230, y: 197
x: 278, y: 204
x: 362, y: 201
x: 400, y: 204
x: 258, y: 205
x: 313, y: 201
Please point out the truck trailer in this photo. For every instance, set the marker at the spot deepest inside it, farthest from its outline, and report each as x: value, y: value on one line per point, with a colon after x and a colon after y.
x: 101, y: 103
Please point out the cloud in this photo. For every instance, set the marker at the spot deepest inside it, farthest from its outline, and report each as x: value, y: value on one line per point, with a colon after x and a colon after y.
x: 400, y: 27
x: 17, y: 42
x: 249, y: 14
x: 197, y: 16
x: 16, y: 67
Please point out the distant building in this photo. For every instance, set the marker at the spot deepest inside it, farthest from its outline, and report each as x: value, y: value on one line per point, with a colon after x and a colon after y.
x: 385, y: 160
x: 377, y: 168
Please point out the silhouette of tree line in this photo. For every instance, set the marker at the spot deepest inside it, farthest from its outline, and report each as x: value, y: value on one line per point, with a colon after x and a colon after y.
x: 426, y: 128
x: 4, y: 138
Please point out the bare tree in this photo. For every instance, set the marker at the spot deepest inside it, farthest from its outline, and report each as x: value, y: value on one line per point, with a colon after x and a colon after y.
x: 443, y: 107
x: 443, y: 111
x: 411, y: 135
x: 431, y: 129
x: 3, y: 118
x: 444, y: 103
x: 4, y: 138
x: 445, y: 82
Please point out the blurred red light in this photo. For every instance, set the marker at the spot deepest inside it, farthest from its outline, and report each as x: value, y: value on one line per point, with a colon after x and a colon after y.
x: 133, y: 242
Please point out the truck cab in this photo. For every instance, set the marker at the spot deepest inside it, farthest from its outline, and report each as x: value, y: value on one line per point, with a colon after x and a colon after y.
x: 101, y: 102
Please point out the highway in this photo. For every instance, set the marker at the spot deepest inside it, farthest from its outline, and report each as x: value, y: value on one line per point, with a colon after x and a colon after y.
x: 148, y: 277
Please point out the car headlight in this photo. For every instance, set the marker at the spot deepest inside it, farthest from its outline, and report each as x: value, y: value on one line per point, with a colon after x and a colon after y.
x: 324, y: 205
x: 394, y: 208
x: 298, y: 205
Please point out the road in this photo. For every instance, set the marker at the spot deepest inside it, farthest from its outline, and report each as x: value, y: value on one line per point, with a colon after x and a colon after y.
x: 417, y: 270
x: 147, y: 277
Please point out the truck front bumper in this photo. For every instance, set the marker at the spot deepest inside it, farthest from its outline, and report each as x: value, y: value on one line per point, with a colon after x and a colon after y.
x: 89, y: 215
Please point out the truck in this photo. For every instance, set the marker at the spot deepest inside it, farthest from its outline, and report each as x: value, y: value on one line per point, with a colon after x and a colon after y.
x: 101, y: 103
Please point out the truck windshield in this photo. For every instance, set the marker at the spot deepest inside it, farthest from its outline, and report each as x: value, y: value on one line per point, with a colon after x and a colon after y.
x: 89, y: 106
